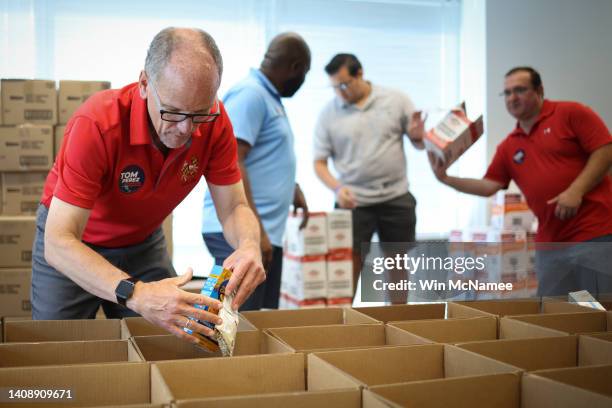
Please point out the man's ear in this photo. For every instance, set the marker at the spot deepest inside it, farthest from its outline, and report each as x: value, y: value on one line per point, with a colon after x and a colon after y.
x: 359, y: 74
x: 143, y: 81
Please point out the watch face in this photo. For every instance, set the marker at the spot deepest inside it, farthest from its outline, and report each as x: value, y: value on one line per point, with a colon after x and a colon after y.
x: 124, y: 291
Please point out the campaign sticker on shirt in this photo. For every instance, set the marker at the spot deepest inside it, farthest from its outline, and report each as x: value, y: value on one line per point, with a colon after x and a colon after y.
x: 131, y: 179
x: 519, y: 156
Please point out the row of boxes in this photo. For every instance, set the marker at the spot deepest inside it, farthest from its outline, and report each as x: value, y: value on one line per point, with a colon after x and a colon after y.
x: 318, y: 261
x: 386, y: 356
x: 38, y: 101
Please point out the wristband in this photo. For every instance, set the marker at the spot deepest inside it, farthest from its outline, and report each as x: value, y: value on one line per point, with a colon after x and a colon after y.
x: 338, y: 188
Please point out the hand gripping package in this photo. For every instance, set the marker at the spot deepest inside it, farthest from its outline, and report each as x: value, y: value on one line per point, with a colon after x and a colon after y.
x: 225, y: 333
x: 450, y: 138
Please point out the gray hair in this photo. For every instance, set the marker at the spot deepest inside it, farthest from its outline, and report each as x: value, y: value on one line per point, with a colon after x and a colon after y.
x: 168, y: 40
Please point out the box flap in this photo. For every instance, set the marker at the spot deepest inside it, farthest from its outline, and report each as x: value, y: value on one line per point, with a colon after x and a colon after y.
x: 263, y: 319
x: 62, y: 330
x: 404, y: 312
x: 581, y: 322
x: 564, y: 388
x: 595, y: 349
x: 452, y: 330
x: 510, y: 328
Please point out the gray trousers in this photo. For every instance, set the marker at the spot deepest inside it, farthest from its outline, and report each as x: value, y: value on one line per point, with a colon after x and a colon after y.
x: 55, y: 296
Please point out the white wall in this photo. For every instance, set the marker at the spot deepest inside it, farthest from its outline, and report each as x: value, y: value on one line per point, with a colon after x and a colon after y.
x: 568, y: 41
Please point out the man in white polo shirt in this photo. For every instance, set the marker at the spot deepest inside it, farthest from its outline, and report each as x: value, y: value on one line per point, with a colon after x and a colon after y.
x: 362, y: 130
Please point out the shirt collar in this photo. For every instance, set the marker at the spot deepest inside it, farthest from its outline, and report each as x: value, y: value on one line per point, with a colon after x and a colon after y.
x: 263, y: 80
x: 369, y: 100
x: 140, y: 133
x: 548, y: 108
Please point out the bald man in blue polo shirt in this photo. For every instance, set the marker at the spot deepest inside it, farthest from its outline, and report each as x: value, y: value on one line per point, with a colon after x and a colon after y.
x: 266, y: 158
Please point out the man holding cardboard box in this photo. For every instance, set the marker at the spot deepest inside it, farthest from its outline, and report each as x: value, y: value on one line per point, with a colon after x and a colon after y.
x: 128, y: 158
x: 362, y: 131
x: 558, y: 154
x: 266, y: 158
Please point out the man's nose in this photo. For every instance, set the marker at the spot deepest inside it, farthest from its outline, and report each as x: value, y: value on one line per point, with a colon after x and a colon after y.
x: 186, y: 126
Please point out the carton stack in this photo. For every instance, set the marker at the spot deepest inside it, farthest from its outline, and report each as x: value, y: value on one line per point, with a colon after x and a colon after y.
x: 317, y: 261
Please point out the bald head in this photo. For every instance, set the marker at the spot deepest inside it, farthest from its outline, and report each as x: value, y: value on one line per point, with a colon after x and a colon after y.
x: 286, y: 63
x: 185, y: 49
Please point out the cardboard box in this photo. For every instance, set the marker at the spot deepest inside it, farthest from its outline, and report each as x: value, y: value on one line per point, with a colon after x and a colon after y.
x: 335, y: 337
x: 265, y: 319
x: 73, y: 93
x: 495, y: 390
x: 391, y: 365
x: 26, y: 148
x: 567, y: 388
x: 404, y: 312
x: 339, y: 229
x: 61, y: 330
x: 530, y: 354
x: 28, y: 101
x: 58, y: 138
x: 582, y: 322
x: 289, y: 302
x: 21, y: 192
x: 296, y: 399
x: 451, y: 330
x: 340, y: 274
x: 510, y: 307
x: 246, y: 375
x: 304, y: 277
x: 450, y: 138
x: 139, y: 326
x: 169, y: 347
x: 595, y: 349
x: 510, y: 211
x: 311, y: 240
x: 67, y: 352
x: 106, y: 384
x: 16, y: 239
x: 15, y: 285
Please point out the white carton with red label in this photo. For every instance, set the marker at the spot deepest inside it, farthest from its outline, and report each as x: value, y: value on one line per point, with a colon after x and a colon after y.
x: 304, y: 277
x: 455, y: 133
x: 339, y: 229
x: 340, y: 274
x: 311, y: 240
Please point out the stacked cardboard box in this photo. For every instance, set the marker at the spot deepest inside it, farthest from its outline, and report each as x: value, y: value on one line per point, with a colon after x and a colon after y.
x: 318, y: 261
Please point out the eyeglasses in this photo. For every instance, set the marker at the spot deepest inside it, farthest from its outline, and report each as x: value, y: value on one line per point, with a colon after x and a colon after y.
x: 342, y: 86
x: 170, y: 116
x: 517, y: 90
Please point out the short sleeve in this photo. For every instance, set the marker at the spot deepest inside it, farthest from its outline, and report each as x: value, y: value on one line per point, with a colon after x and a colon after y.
x: 246, y: 109
x: 407, y: 111
x: 322, y: 148
x: 222, y: 168
x: 82, y: 164
x: 498, y: 171
x: 589, y: 128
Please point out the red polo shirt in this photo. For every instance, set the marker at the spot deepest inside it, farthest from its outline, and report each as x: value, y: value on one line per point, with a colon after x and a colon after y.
x: 546, y: 161
x: 108, y: 164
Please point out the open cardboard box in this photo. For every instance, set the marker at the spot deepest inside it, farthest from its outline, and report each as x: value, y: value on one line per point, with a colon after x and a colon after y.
x: 246, y: 375
x: 301, y: 399
x: 404, y: 312
x: 335, y: 337
x: 264, y: 319
x: 568, y: 387
x: 105, y: 384
x: 496, y: 390
x: 169, y: 347
x: 390, y: 365
x: 68, y: 352
x: 595, y: 349
x: 139, y: 326
x: 61, y: 330
x: 511, y: 307
x: 572, y: 323
x: 530, y: 354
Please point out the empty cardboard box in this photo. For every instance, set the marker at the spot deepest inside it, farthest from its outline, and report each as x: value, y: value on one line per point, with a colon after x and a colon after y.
x: 264, y: 319
x: 404, y: 312
x: 61, y: 330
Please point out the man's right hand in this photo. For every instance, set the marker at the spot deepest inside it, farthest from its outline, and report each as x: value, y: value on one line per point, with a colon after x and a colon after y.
x: 164, y: 304
x: 345, y: 198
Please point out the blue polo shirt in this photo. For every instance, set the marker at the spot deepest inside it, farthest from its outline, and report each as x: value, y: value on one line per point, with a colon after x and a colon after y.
x: 257, y: 114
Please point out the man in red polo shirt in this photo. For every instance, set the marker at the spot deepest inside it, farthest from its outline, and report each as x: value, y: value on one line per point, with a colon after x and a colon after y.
x: 128, y: 158
x: 559, y: 155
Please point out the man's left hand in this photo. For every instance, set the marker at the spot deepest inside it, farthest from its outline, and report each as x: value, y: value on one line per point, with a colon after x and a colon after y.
x: 247, y: 272
x: 299, y: 201
x: 567, y: 204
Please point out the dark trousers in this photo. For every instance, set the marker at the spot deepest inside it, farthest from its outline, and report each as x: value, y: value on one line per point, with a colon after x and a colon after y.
x: 267, y: 294
x: 394, y: 221
x: 55, y: 296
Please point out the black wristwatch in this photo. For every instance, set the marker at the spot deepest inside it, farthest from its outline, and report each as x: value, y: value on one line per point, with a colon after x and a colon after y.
x: 124, y: 290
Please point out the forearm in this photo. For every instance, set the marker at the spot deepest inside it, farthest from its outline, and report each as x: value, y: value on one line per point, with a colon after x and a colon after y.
x: 323, y: 173
x: 84, y: 266
x: 480, y: 187
x: 596, y: 168
x: 241, y: 227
